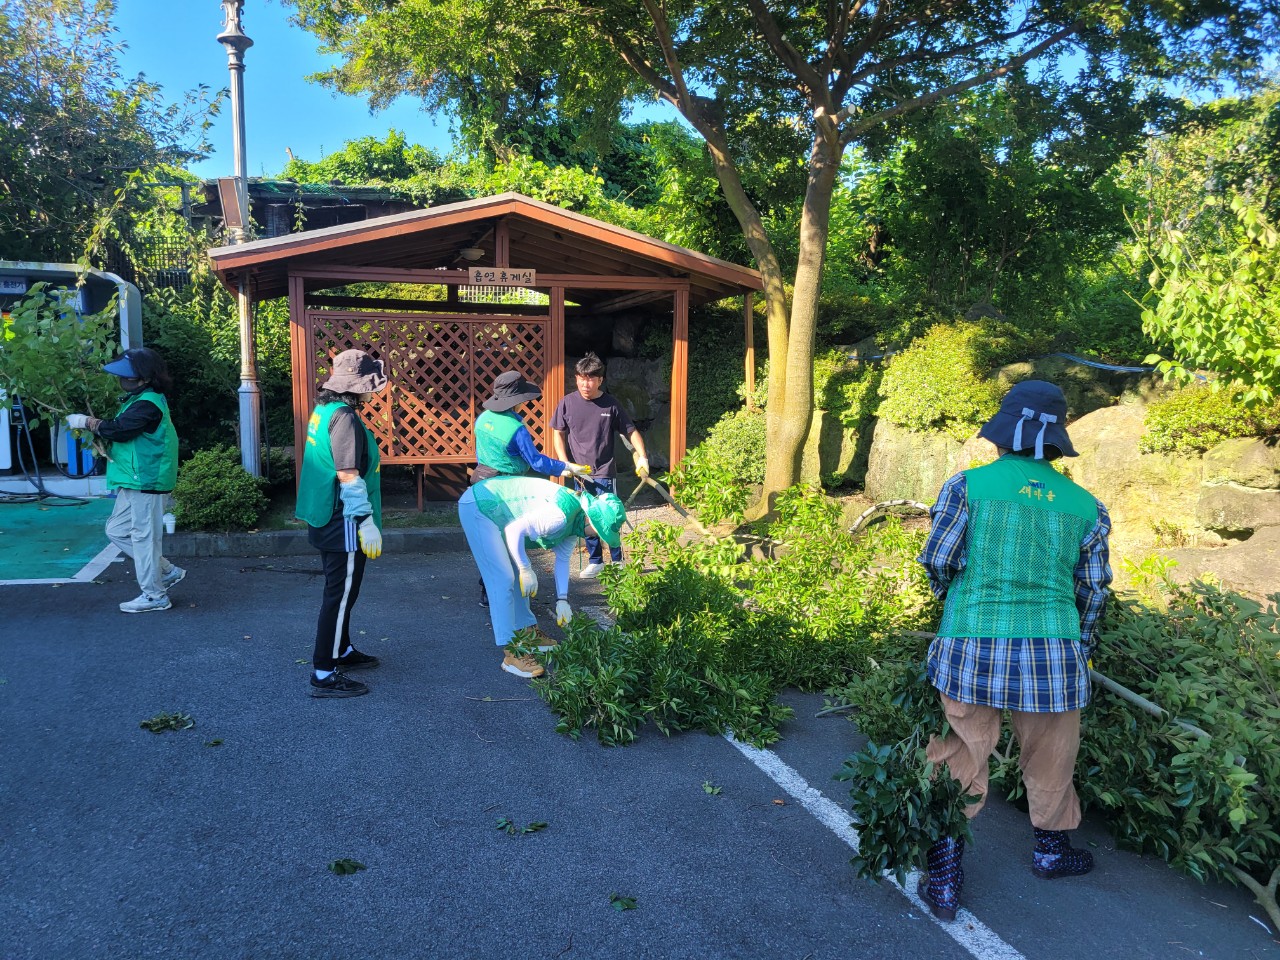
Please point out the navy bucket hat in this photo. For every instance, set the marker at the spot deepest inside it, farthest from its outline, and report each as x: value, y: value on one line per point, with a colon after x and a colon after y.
x: 1033, y: 414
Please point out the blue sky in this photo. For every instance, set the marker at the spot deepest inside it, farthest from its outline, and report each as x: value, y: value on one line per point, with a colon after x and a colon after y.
x: 173, y: 43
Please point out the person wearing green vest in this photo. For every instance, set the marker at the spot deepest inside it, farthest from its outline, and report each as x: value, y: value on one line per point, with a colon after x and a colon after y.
x: 142, y: 467
x: 340, y: 499
x: 1019, y: 555
x: 504, y: 445
x: 502, y: 517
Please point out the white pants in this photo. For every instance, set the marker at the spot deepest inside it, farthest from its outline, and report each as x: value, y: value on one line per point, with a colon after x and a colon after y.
x: 508, y: 611
x: 136, y: 526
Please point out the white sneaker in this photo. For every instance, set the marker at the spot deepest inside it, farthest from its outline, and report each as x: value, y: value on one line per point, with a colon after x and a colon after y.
x: 145, y: 604
x: 591, y: 571
x: 173, y: 577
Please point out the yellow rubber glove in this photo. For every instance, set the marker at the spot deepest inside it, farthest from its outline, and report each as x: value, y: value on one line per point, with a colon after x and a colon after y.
x: 564, y: 612
x: 528, y: 582
x: 642, y: 467
x: 575, y: 470
x: 370, y: 538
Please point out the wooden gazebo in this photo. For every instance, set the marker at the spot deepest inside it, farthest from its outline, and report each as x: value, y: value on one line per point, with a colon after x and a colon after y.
x: 489, y: 285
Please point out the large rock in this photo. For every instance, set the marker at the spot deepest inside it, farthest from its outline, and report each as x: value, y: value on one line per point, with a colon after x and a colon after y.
x: 833, y: 451
x: 1149, y: 495
x: 906, y: 465
x: 1250, y: 567
x: 1232, y: 510
x: 1248, y: 461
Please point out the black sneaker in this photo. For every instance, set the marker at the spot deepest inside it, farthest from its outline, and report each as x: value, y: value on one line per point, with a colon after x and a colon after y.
x: 336, y: 685
x: 355, y: 660
x: 484, y: 594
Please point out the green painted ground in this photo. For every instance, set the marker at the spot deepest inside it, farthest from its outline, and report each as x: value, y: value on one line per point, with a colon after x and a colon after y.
x: 38, y: 541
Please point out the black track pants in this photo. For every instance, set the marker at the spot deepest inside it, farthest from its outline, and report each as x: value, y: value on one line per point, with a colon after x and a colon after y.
x: 343, y: 573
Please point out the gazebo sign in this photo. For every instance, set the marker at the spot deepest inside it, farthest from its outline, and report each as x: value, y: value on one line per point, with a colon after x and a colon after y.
x: 502, y: 277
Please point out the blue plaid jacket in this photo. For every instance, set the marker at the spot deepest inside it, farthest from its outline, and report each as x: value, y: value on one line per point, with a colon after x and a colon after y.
x: 1032, y: 674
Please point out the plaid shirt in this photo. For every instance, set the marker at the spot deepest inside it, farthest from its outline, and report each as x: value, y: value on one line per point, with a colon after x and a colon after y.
x: 1032, y: 674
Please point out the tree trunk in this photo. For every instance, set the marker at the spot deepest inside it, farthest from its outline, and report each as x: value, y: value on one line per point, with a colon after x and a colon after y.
x: 790, y: 410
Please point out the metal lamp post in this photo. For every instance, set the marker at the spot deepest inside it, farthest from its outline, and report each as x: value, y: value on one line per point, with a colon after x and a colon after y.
x: 236, y: 43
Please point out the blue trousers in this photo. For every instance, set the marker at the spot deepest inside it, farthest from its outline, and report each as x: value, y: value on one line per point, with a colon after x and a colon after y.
x: 595, y: 487
x: 508, y: 611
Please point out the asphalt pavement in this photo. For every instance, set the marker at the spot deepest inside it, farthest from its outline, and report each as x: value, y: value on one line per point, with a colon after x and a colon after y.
x: 214, y: 842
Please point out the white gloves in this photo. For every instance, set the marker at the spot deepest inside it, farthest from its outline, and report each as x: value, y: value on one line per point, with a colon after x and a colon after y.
x: 78, y: 421
x: 370, y: 538
x: 528, y: 582
x: 564, y: 612
x: 642, y: 466
x: 575, y: 470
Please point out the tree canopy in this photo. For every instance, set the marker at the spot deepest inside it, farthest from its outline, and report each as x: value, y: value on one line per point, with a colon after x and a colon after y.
x: 72, y: 129
x: 767, y: 85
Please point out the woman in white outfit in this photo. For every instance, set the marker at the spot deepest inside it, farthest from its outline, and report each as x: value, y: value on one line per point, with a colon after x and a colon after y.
x: 502, y: 517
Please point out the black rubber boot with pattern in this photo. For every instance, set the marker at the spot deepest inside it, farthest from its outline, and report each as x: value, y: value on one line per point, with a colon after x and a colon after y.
x: 1055, y: 857
x: 940, y: 887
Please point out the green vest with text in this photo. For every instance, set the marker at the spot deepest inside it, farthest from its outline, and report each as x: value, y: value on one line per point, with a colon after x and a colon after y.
x: 1026, y: 524
x: 318, y: 484
x: 502, y: 499
x: 493, y: 435
x: 148, y: 462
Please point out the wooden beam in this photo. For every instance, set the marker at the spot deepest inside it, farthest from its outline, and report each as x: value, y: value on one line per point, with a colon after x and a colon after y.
x: 679, y: 376
x: 380, y: 274
x: 427, y: 306
x: 628, y: 300
x: 748, y: 320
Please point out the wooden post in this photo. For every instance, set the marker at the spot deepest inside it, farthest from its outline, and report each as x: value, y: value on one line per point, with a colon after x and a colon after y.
x: 749, y: 321
x: 502, y: 244
x: 553, y: 385
x: 679, y: 375
x: 303, y: 370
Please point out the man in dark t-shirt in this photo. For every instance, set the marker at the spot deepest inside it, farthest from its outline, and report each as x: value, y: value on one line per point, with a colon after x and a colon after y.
x: 582, y: 431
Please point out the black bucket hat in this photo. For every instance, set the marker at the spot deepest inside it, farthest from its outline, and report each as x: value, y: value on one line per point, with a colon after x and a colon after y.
x: 1032, y: 414
x: 511, y: 390
x: 354, y: 371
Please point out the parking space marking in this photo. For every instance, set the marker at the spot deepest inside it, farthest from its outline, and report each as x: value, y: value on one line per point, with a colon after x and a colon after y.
x: 86, y: 574
x: 967, y: 930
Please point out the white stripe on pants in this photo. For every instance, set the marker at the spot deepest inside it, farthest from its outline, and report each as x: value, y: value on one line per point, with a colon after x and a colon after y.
x: 508, y: 611
x: 136, y: 526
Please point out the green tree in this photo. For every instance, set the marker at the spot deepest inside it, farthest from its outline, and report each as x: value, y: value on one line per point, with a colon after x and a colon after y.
x: 73, y: 130
x: 754, y: 79
x: 1208, y: 231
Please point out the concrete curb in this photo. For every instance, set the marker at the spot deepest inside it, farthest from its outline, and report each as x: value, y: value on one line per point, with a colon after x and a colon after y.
x: 290, y: 543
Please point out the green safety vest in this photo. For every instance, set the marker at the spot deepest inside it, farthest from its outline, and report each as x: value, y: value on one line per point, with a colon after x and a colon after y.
x: 503, y: 499
x: 493, y: 435
x: 1026, y: 523
x: 149, y: 461
x: 318, y: 485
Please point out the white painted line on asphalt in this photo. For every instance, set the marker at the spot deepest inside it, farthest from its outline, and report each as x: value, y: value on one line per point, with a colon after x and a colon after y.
x: 86, y: 574
x: 99, y: 563
x: 967, y: 930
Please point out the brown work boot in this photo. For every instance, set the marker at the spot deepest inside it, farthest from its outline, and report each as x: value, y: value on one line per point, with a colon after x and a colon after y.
x: 525, y: 666
x: 544, y: 641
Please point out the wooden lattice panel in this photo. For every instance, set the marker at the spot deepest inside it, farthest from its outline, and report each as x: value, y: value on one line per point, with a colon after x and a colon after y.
x: 441, y: 369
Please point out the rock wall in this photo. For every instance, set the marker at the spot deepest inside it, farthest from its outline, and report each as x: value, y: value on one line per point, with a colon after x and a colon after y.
x: 1218, y: 513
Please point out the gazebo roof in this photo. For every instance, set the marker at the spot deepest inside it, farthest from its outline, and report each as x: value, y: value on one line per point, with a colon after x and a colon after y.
x: 541, y: 237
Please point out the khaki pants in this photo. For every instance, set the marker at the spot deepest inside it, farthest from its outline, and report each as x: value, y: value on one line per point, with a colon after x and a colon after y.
x: 136, y: 526
x: 1047, y: 748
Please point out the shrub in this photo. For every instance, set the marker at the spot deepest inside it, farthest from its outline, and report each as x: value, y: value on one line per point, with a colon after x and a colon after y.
x: 940, y: 382
x: 715, y: 477
x: 705, y: 643
x: 1197, y: 418
x: 214, y: 492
